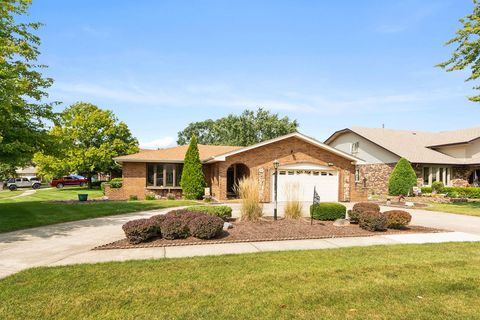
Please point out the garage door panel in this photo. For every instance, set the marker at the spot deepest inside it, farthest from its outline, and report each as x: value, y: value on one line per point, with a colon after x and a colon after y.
x: 325, y: 182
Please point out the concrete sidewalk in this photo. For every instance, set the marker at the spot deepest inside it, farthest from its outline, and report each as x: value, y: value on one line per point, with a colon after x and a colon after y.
x: 252, y: 247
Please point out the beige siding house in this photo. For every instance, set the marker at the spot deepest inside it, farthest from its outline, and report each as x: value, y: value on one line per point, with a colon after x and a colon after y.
x: 452, y: 157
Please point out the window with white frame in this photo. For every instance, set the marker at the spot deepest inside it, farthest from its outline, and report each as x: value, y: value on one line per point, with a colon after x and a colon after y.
x: 354, y: 147
x: 357, y: 175
x: 436, y: 173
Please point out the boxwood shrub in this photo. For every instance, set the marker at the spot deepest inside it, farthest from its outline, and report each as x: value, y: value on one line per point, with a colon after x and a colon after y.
x: 397, y: 219
x: 140, y: 230
x: 116, y: 183
x: 372, y: 221
x: 328, y: 211
x: 359, y: 208
x: 462, y: 192
x: 223, y: 212
x: 206, y: 226
x: 426, y: 189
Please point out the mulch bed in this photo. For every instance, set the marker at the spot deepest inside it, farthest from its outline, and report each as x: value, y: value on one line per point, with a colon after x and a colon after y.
x: 269, y: 230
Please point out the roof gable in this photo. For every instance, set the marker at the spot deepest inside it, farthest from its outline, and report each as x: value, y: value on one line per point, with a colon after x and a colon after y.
x: 222, y: 157
x: 416, y: 146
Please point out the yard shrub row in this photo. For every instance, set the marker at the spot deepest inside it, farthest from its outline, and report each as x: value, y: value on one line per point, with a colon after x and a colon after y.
x: 454, y: 192
x: 224, y: 212
x: 328, y: 211
x: 116, y: 183
x: 176, y: 224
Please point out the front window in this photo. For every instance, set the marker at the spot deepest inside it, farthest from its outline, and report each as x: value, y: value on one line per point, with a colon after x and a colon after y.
x: 354, y: 147
x: 164, y: 175
x: 436, y: 173
x: 357, y: 175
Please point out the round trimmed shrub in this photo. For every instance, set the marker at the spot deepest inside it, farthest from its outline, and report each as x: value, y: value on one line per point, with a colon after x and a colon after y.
x: 158, y: 219
x: 328, y: 211
x: 397, y: 219
x: 372, y: 221
x: 116, y: 183
x: 140, y: 230
x: 359, y: 208
x: 402, y: 179
x: 437, y: 186
x: 183, y: 214
x: 174, y: 228
x: 206, y: 227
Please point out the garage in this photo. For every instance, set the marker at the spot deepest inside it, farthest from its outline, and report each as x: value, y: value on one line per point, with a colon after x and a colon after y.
x: 300, y: 180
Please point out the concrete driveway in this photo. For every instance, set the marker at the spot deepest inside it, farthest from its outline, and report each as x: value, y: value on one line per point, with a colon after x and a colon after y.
x: 72, y: 242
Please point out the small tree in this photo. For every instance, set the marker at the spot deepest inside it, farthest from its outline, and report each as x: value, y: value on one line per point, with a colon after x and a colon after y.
x: 402, y: 179
x: 193, y: 180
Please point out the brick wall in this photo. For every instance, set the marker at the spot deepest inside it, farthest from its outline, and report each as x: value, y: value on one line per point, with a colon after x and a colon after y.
x: 134, y: 176
x: 114, y: 193
x: 288, y: 151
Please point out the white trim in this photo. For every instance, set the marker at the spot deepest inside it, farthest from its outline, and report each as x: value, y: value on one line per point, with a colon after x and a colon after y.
x: 298, y: 135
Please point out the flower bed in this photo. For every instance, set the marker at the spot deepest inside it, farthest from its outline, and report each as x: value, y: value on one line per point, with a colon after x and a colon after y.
x: 269, y: 230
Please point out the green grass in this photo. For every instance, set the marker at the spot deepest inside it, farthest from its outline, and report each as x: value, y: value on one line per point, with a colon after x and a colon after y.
x: 7, y: 193
x: 466, y: 208
x: 435, y: 281
x: 39, y: 209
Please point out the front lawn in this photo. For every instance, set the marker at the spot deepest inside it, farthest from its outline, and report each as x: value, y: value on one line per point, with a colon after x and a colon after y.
x: 435, y: 281
x: 39, y: 209
x: 466, y: 208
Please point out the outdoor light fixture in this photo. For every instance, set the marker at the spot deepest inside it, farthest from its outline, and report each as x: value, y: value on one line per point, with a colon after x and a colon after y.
x: 276, y: 164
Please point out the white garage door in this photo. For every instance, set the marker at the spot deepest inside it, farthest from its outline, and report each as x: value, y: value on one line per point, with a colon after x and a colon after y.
x: 299, y: 182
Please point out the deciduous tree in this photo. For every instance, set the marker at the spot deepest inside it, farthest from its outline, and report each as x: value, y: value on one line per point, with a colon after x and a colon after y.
x: 23, y: 112
x: 87, y: 138
x: 467, y: 52
x: 239, y: 130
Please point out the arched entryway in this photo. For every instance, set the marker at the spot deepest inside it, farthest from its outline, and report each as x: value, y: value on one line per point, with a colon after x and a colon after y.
x: 235, y: 172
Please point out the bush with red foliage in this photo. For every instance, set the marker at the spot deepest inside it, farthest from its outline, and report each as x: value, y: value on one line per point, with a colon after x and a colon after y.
x: 140, y: 230
x: 206, y: 226
x: 359, y: 208
x: 372, y: 221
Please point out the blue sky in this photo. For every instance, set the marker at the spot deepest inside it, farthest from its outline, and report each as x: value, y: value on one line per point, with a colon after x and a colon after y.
x: 160, y: 65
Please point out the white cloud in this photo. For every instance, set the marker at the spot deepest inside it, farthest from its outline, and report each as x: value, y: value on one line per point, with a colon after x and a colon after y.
x: 158, y: 143
x: 221, y: 96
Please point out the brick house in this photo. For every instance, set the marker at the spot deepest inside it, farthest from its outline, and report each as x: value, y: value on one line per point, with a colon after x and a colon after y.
x: 452, y: 157
x: 303, y: 160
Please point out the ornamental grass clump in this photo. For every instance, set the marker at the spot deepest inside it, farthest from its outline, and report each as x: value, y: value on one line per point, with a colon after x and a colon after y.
x: 249, y: 193
x: 140, y: 230
x: 372, y: 221
x: 359, y: 208
x: 206, y: 226
x: 397, y: 219
x: 293, y: 206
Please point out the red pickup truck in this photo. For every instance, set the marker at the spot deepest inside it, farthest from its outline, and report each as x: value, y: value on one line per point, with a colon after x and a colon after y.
x: 69, y: 181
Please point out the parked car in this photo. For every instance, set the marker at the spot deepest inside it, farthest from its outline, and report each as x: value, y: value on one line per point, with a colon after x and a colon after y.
x: 24, y: 182
x: 71, y: 180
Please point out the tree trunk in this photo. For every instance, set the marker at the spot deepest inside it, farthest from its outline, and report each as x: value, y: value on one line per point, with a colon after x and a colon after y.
x: 89, y: 180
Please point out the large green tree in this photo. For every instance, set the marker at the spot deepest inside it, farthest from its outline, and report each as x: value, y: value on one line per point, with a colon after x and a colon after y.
x: 23, y: 112
x: 193, y: 180
x: 467, y: 52
x: 239, y: 130
x: 86, y: 139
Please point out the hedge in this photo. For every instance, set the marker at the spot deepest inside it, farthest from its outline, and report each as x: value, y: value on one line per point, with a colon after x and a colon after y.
x: 223, y: 212
x: 328, y: 211
x: 116, y: 183
x: 463, y: 192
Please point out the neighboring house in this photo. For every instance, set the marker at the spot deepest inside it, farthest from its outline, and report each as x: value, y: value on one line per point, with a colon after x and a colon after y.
x: 26, y: 172
x: 452, y: 157
x: 303, y: 160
